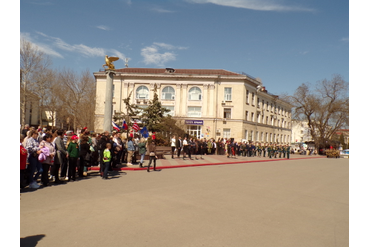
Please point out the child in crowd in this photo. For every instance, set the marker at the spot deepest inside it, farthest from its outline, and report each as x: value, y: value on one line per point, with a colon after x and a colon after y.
x: 106, y: 158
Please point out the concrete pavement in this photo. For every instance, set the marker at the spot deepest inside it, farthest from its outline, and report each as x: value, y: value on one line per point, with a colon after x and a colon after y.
x: 296, y: 202
x: 205, y: 160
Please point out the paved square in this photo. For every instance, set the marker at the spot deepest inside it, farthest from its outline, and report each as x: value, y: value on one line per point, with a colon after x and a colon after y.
x: 281, y: 203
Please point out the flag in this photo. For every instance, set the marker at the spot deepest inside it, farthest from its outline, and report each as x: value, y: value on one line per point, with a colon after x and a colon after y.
x: 144, y: 132
x: 124, y: 125
x: 136, y: 126
x: 115, y: 126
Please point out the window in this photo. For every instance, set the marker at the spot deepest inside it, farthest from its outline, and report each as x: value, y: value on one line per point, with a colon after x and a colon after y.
x: 252, y: 99
x: 227, y: 113
x: 247, y: 99
x: 194, y: 111
x: 227, y: 133
x: 246, y: 115
x: 267, y: 120
x: 267, y: 137
x: 195, y: 130
x: 142, y: 92
x: 257, y: 136
x: 246, y: 134
x: 195, y: 93
x: 258, y: 117
x: 168, y: 93
x: 252, y: 116
x: 227, y: 94
x: 258, y: 103
x: 171, y: 112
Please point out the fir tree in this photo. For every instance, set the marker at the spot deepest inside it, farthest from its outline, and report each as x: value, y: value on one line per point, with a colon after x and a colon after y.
x: 154, y: 113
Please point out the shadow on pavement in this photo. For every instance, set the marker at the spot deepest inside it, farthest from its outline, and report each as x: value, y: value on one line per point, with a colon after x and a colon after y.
x: 31, y: 241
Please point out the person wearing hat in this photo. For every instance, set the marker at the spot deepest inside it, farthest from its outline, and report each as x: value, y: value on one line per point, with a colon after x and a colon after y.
x: 72, y: 155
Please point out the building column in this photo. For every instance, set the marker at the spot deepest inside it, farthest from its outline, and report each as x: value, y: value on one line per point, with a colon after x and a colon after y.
x: 205, y: 112
x: 211, y: 100
x: 184, y: 104
x: 178, y: 99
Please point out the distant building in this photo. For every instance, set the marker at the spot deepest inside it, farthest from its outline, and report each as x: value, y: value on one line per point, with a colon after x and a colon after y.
x: 300, y: 132
x: 211, y: 103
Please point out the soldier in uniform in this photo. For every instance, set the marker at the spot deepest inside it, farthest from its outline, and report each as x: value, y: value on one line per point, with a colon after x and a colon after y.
x: 259, y: 149
x: 269, y: 151
x: 288, y: 151
x: 280, y: 151
x: 264, y: 149
x: 275, y: 150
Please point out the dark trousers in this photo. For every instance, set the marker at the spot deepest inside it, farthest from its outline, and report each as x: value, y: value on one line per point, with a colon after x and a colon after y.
x: 64, y: 168
x: 55, y: 171
x: 34, y: 164
x: 72, y: 168
x: 178, y: 152
x: 150, y: 162
x: 106, y: 168
x: 23, y: 181
x: 81, y: 167
x: 45, y: 174
x: 173, y: 151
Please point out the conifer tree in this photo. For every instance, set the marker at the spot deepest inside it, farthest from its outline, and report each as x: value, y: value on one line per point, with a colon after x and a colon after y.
x: 154, y: 113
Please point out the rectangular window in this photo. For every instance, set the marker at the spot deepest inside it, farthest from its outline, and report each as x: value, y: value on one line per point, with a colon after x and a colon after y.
x: 247, y: 99
x: 194, y: 111
x: 252, y: 116
x: 246, y: 115
x: 227, y: 133
x: 227, y: 113
x: 227, y: 94
x: 171, y: 112
x: 253, y: 99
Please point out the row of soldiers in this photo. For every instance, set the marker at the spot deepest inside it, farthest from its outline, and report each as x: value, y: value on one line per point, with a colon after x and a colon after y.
x: 259, y: 150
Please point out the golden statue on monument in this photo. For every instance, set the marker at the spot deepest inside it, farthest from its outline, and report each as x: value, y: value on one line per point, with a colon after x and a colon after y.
x: 109, y: 62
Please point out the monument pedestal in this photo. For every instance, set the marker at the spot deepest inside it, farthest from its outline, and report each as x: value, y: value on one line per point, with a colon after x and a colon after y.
x: 107, y: 126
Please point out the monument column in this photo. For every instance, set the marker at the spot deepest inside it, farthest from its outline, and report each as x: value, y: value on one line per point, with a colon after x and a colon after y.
x: 107, y: 126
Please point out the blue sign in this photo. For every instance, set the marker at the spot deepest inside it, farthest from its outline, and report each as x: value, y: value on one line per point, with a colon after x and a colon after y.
x: 194, y: 122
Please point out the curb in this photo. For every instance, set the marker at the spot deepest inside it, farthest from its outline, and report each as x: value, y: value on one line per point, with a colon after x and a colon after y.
x: 202, y: 164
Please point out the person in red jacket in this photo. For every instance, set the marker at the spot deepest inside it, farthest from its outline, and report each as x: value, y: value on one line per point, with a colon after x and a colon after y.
x: 23, y: 161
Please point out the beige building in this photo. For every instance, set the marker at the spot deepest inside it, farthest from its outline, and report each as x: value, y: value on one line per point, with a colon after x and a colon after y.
x: 211, y: 103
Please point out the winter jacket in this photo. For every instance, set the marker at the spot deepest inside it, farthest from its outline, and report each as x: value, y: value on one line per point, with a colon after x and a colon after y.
x: 49, y: 157
x: 72, y: 150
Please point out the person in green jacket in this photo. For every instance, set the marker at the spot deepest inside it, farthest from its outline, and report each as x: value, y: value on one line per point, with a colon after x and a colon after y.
x: 72, y: 155
x: 142, y: 151
x: 107, y: 156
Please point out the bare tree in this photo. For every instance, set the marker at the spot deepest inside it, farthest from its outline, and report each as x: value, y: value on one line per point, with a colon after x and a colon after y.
x: 77, y: 96
x: 325, y: 106
x: 32, y: 63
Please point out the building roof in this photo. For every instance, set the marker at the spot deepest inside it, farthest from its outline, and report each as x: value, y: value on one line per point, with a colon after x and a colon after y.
x: 178, y: 71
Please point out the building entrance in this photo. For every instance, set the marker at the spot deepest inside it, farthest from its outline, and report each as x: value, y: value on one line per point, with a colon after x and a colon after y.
x: 194, y: 130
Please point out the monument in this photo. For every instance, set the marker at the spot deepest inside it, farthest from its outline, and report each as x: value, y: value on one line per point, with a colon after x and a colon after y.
x: 110, y: 72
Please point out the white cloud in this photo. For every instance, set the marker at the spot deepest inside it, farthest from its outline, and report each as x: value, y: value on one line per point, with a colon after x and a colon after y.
x: 102, y: 27
x: 154, y: 54
x: 263, y: 5
x: 81, y: 48
x: 42, y: 47
x: 161, y: 10
x: 58, y: 43
x: 345, y: 39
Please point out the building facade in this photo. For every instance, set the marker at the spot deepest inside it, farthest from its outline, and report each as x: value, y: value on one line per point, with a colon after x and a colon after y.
x: 211, y: 103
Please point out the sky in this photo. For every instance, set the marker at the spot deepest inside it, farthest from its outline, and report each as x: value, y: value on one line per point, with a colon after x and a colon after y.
x: 283, y: 42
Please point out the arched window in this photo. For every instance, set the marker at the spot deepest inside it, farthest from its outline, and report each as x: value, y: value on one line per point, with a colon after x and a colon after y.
x: 168, y: 93
x: 195, y: 93
x: 142, y: 92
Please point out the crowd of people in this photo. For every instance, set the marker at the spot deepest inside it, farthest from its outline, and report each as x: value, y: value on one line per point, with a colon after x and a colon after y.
x: 57, y: 154
x: 229, y: 147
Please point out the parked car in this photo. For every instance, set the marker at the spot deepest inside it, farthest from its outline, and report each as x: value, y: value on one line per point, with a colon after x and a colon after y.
x: 344, y: 153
